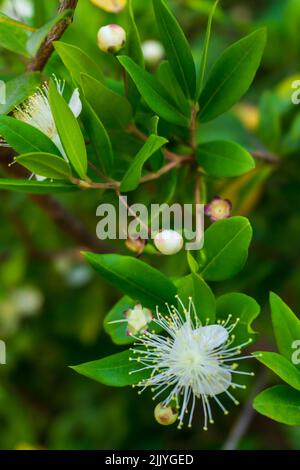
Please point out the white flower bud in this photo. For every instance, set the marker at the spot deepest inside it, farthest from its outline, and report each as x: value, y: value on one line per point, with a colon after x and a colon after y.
x: 165, y: 415
x: 168, y: 242
x: 111, y: 38
x: 153, y: 52
x: 138, y: 319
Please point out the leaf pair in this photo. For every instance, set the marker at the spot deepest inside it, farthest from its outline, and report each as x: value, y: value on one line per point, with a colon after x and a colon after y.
x: 282, y: 402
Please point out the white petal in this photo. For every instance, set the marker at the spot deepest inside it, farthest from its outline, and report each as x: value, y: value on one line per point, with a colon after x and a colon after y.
x: 40, y: 178
x: 216, y: 383
x: 75, y: 103
x: 213, y: 336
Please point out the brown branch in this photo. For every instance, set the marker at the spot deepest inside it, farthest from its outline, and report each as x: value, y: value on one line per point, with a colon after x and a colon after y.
x: 46, y: 49
x: 266, y: 157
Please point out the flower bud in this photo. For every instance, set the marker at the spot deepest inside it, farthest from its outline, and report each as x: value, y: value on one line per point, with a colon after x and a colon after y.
x: 112, y: 6
x: 138, y: 319
x: 153, y: 52
x: 137, y: 246
x: 168, y: 242
x: 218, y: 209
x: 165, y: 415
x: 111, y: 38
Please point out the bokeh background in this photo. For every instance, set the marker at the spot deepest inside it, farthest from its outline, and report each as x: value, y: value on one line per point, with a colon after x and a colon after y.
x: 52, y: 305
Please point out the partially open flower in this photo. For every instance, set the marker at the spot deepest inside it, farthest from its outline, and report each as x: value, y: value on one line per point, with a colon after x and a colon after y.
x: 153, y: 52
x: 111, y: 38
x: 165, y: 415
x: 218, y: 209
x: 112, y: 6
x: 168, y: 242
x: 138, y: 319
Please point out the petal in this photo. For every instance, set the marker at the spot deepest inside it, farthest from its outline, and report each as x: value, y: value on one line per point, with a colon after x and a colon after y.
x: 75, y: 103
x: 212, y: 336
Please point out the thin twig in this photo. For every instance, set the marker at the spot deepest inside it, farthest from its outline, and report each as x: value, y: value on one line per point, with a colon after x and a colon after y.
x: 266, y: 157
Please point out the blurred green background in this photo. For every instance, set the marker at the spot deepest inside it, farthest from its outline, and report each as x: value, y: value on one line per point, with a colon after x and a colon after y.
x: 52, y: 305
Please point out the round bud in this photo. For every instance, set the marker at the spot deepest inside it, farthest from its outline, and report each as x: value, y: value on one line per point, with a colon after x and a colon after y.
x: 153, y: 52
x: 111, y: 38
x: 165, y: 415
x: 168, y: 242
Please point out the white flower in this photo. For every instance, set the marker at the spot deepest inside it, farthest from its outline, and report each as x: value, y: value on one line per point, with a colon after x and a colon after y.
x: 111, y: 38
x: 168, y: 242
x: 153, y: 52
x: 37, y: 113
x: 137, y: 319
x: 192, y: 361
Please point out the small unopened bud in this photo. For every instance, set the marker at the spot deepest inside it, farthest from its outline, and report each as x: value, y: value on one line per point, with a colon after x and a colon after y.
x: 137, y: 246
x: 168, y: 242
x: 165, y: 415
x: 153, y: 52
x: 113, y: 6
x: 138, y: 319
x: 218, y: 209
x: 111, y: 38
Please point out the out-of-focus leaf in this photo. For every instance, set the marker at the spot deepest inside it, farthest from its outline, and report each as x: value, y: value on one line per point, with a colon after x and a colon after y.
x: 14, y: 35
x: 270, y: 122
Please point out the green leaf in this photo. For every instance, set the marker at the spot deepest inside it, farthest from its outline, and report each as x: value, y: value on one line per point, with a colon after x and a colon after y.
x: 133, y: 50
x: 154, y: 94
x: 24, y: 138
x: 37, y: 38
x: 18, y: 90
x: 135, y: 278
x: 225, y: 248
x: 114, y: 371
x: 232, y: 75
x: 239, y: 306
x: 280, y: 403
x: 117, y: 331
x: 196, y: 288
x: 36, y: 187
x: 171, y: 86
x: 69, y: 131
x: 285, y: 324
x: 222, y: 159
x: 112, y: 109
x: 13, y: 35
x: 205, y: 51
x: 45, y: 164
x: 99, y: 139
x: 78, y: 62
x: 177, y: 48
x: 270, y: 122
x: 134, y: 172
x: 281, y: 366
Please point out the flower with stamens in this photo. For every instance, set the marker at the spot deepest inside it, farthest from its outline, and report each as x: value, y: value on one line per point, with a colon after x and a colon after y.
x: 189, y: 361
x: 36, y: 112
x: 218, y: 209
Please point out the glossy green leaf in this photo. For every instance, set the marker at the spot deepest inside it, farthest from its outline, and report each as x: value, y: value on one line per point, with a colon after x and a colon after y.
x: 196, y: 288
x: 280, y: 403
x: 177, y: 47
x: 205, y: 51
x: 24, y: 138
x: 45, y: 164
x: 37, y: 38
x: 169, y: 82
x: 114, y: 371
x: 225, y: 248
x: 240, y: 306
x: 69, y: 131
x: 99, y: 139
x: 18, y: 89
x: 286, y: 326
x: 281, y: 366
x: 232, y: 75
x: 154, y: 94
x: 78, y: 62
x: 13, y: 35
x: 134, y: 172
x: 112, y: 109
x: 135, y: 278
x: 222, y: 159
x: 36, y: 187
